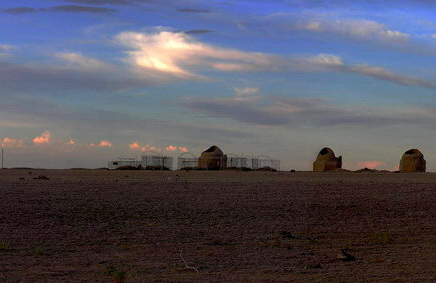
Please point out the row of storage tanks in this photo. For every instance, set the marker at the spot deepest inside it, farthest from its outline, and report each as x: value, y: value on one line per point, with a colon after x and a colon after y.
x: 211, y: 159
x: 411, y: 161
x: 214, y: 159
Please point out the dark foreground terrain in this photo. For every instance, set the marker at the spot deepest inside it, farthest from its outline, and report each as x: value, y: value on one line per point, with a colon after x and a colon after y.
x: 89, y: 225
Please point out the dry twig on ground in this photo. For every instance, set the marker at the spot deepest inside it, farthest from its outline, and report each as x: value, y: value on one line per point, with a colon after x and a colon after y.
x: 187, y: 267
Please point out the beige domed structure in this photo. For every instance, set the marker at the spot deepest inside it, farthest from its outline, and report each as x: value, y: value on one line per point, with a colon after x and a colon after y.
x: 212, y: 159
x: 412, y: 161
x: 327, y: 161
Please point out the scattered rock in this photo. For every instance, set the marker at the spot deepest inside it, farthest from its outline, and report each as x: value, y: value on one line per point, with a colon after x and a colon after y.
x: 287, y: 235
x: 314, y: 266
x: 41, y: 178
x: 344, y: 255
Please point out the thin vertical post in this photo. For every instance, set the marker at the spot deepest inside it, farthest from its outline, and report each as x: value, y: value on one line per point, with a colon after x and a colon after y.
x: 2, y: 156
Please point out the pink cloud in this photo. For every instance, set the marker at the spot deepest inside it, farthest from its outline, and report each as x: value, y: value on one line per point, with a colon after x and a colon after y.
x: 148, y: 147
x: 171, y: 148
x: 13, y: 143
x: 71, y: 142
x: 105, y: 144
x: 43, y: 138
x: 134, y: 145
x: 176, y: 148
x: 372, y: 164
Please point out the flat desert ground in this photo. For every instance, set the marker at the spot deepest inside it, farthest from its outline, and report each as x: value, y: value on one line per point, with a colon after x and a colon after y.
x: 136, y: 226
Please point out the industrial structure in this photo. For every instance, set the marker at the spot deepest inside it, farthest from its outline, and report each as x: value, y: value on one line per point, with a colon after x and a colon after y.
x: 187, y: 160
x: 212, y: 159
x: 252, y: 162
x: 149, y: 161
x: 412, y: 161
x: 327, y: 161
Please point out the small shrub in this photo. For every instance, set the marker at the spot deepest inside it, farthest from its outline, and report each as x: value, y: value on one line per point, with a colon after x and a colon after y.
x: 39, y: 251
x: 347, y: 245
x: 381, y: 238
x: 4, y: 246
x: 118, y: 275
x: 287, y: 235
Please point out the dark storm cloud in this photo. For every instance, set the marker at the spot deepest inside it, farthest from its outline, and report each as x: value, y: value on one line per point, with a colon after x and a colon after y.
x: 80, y: 9
x: 278, y: 111
x: 335, y: 4
x: 198, y: 31
x: 92, y: 121
x: 99, y: 2
x: 20, y: 10
x: 187, y: 10
x: 66, y: 8
x: 18, y: 77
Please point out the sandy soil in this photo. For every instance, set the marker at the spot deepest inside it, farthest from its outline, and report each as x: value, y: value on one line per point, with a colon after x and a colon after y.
x: 88, y: 225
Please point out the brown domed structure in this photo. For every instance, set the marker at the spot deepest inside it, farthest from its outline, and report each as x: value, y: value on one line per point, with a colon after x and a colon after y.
x: 327, y: 161
x: 212, y: 159
x: 412, y: 161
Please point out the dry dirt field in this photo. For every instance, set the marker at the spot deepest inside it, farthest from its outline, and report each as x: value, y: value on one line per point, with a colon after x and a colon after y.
x: 104, y: 226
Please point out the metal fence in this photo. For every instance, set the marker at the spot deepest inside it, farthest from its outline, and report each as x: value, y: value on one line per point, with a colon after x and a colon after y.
x: 187, y: 160
x: 154, y: 160
x: 252, y: 162
x: 149, y: 160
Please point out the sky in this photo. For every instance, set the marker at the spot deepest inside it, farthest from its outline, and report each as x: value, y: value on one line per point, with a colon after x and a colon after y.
x: 83, y: 82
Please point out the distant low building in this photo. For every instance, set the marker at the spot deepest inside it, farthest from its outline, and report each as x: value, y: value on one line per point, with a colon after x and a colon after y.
x: 327, y: 161
x: 412, y: 161
x: 124, y: 162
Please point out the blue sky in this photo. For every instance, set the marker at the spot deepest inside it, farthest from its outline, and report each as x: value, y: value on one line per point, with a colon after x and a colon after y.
x: 85, y: 81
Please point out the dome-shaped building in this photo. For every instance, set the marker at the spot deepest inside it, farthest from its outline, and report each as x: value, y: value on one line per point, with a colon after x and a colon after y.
x: 212, y: 159
x: 412, y: 161
x: 327, y: 161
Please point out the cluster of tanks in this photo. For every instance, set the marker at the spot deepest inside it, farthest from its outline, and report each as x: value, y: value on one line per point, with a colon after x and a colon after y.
x: 211, y: 159
x: 214, y: 159
x: 411, y: 161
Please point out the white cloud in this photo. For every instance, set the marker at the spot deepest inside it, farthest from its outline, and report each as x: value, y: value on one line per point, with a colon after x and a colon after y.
x: 87, y: 63
x: 313, y: 26
x: 176, y: 54
x: 325, y: 60
x: 7, y: 47
x: 329, y: 62
x: 387, y: 75
x: 246, y: 91
x: 353, y: 28
x: 6, y: 50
